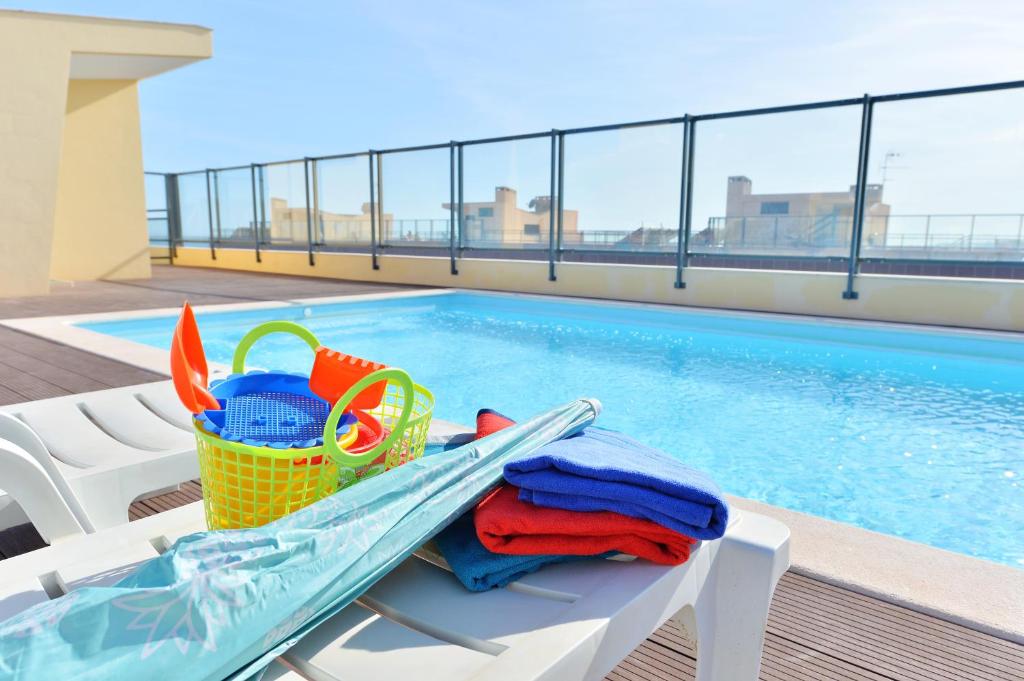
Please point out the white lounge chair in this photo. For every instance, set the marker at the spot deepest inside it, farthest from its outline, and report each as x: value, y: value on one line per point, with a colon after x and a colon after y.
x: 72, y: 465
x: 566, y: 622
x: 76, y: 463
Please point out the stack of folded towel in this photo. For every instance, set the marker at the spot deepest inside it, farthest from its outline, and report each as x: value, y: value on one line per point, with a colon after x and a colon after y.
x: 590, y: 495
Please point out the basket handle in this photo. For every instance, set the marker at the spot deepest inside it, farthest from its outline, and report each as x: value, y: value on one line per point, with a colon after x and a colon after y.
x: 330, y: 428
x: 244, y: 345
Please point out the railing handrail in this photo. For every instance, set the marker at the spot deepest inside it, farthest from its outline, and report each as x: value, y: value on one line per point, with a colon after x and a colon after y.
x: 886, y: 216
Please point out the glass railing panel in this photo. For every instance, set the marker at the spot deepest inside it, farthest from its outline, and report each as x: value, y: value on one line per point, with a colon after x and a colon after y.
x: 949, y: 171
x: 415, y: 191
x: 156, y: 209
x: 156, y: 227
x: 285, y: 218
x: 341, y: 203
x: 233, y: 207
x: 156, y: 191
x: 194, y: 208
x: 776, y: 184
x: 621, y: 189
x: 506, y: 195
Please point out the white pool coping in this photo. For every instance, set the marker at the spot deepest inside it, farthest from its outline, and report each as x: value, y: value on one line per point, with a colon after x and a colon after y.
x: 62, y: 329
x: 979, y: 594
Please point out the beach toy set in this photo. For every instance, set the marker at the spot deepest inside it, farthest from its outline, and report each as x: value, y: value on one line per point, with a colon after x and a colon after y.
x: 272, y: 442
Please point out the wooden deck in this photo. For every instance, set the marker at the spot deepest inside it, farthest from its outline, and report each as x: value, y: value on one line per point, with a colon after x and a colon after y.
x: 32, y: 368
x: 170, y: 286
x: 815, y: 630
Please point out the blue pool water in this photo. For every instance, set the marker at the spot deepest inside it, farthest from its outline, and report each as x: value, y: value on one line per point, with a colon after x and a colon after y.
x: 912, y: 433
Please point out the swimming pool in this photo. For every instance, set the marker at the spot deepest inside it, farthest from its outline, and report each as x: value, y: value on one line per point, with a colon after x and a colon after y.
x: 914, y: 433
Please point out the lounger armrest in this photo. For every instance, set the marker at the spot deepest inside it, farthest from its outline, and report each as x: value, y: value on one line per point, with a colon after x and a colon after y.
x: 28, y: 484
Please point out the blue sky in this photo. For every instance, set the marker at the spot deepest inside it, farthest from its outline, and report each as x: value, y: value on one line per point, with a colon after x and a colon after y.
x: 290, y: 79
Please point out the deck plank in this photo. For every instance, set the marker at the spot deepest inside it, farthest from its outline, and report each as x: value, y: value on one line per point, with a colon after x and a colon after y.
x: 803, y: 611
x: 879, y: 613
x: 33, y: 368
x: 19, y: 539
x: 172, y: 285
x: 815, y: 630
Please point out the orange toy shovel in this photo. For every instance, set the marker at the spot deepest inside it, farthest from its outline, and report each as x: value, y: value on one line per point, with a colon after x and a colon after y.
x: 188, y: 365
x: 335, y: 372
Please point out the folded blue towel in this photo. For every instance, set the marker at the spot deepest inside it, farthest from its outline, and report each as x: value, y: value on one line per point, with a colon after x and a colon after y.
x: 601, y: 470
x: 477, y: 568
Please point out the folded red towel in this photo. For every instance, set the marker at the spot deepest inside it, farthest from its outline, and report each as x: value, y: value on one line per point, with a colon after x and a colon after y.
x: 489, y: 421
x: 504, y: 524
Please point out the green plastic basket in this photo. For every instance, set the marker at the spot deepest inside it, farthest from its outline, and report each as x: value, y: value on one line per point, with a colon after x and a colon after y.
x: 248, y: 486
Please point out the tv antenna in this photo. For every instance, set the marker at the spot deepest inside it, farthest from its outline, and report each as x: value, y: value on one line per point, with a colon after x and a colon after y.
x: 887, y: 165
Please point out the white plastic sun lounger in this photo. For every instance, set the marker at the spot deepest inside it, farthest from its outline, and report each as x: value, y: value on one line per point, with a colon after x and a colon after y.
x: 72, y: 465
x: 566, y: 622
x: 76, y: 463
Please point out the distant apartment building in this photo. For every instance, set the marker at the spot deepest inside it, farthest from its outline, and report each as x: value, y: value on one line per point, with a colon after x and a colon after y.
x: 498, y: 223
x: 502, y: 222
x: 288, y: 224
x: 796, y: 220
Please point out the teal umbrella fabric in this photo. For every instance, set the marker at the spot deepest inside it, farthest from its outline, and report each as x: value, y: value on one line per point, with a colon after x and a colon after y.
x: 223, y: 605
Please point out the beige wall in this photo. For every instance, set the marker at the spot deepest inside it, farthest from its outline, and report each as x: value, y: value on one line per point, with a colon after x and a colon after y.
x: 31, y: 124
x: 100, y: 206
x: 39, y: 55
x: 972, y: 303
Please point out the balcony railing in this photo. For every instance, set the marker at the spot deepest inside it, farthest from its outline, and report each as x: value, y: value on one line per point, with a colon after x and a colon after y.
x: 652, y: 192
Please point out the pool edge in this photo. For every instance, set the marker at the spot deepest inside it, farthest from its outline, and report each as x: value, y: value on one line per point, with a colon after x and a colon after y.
x: 63, y: 328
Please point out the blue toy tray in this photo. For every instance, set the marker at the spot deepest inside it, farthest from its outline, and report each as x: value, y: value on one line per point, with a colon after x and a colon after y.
x: 269, y: 409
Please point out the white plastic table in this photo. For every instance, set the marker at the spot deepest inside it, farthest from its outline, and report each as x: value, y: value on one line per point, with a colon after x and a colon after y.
x: 566, y: 622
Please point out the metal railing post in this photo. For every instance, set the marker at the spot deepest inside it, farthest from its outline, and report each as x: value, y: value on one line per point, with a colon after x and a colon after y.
x: 381, y: 233
x: 859, y: 198
x: 309, y: 214
x: 173, y: 204
x: 261, y: 236
x: 685, y: 199
x: 561, y: 191
x: 373, y: 211
x: 462, y: 214
x: 216, y: 205
x: 551, y: 207
x: 255, y: 213
x: 317, y: 216
x: 209, y: 215
x: 453, y: 268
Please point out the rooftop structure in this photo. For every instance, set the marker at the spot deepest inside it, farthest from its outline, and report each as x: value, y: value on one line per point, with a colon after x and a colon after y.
x: 867, y: 598
x: 797, y: 220
x: 504, y: 222
x: 72, y: 203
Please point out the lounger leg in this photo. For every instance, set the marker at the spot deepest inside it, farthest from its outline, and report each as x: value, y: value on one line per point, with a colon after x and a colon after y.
x: 732, y: 609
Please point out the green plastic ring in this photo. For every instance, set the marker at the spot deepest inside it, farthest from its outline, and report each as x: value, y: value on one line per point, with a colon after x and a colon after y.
x: 343, y: 458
